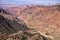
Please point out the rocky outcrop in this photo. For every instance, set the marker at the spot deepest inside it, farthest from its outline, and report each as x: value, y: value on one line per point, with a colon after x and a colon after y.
x: 12, y: 28
x: 43, y: 18
x: 10, y: 25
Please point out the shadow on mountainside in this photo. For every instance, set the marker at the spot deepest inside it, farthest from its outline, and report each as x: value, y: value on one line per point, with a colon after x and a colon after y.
x: 10, y: 26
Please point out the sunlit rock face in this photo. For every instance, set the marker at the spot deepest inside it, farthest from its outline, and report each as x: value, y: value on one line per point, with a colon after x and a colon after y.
x: 13, y: 29
x: 44, y: 19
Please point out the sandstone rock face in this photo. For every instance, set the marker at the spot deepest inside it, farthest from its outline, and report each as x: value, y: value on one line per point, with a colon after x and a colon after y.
x: 30, y: 23
x: 43, y: 18
x: 12, y: 29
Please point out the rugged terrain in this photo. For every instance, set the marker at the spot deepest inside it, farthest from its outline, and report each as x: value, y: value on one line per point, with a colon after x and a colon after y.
x: 36, y: 19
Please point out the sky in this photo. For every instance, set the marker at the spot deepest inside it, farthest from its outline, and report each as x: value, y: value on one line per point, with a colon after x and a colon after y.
x: 26, y: 2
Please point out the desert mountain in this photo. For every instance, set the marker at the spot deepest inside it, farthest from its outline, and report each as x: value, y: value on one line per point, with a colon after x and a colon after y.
x: 43, y: 18
x: 13, y: 28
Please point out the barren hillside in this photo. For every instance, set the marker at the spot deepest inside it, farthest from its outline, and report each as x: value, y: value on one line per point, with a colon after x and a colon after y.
x: 43, y: 18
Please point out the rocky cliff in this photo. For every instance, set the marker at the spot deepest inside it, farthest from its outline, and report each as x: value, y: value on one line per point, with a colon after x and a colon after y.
x: 43, y: 18
x: 12, y: 28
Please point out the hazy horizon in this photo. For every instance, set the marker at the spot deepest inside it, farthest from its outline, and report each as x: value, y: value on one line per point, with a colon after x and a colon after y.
x: 26, y: 2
